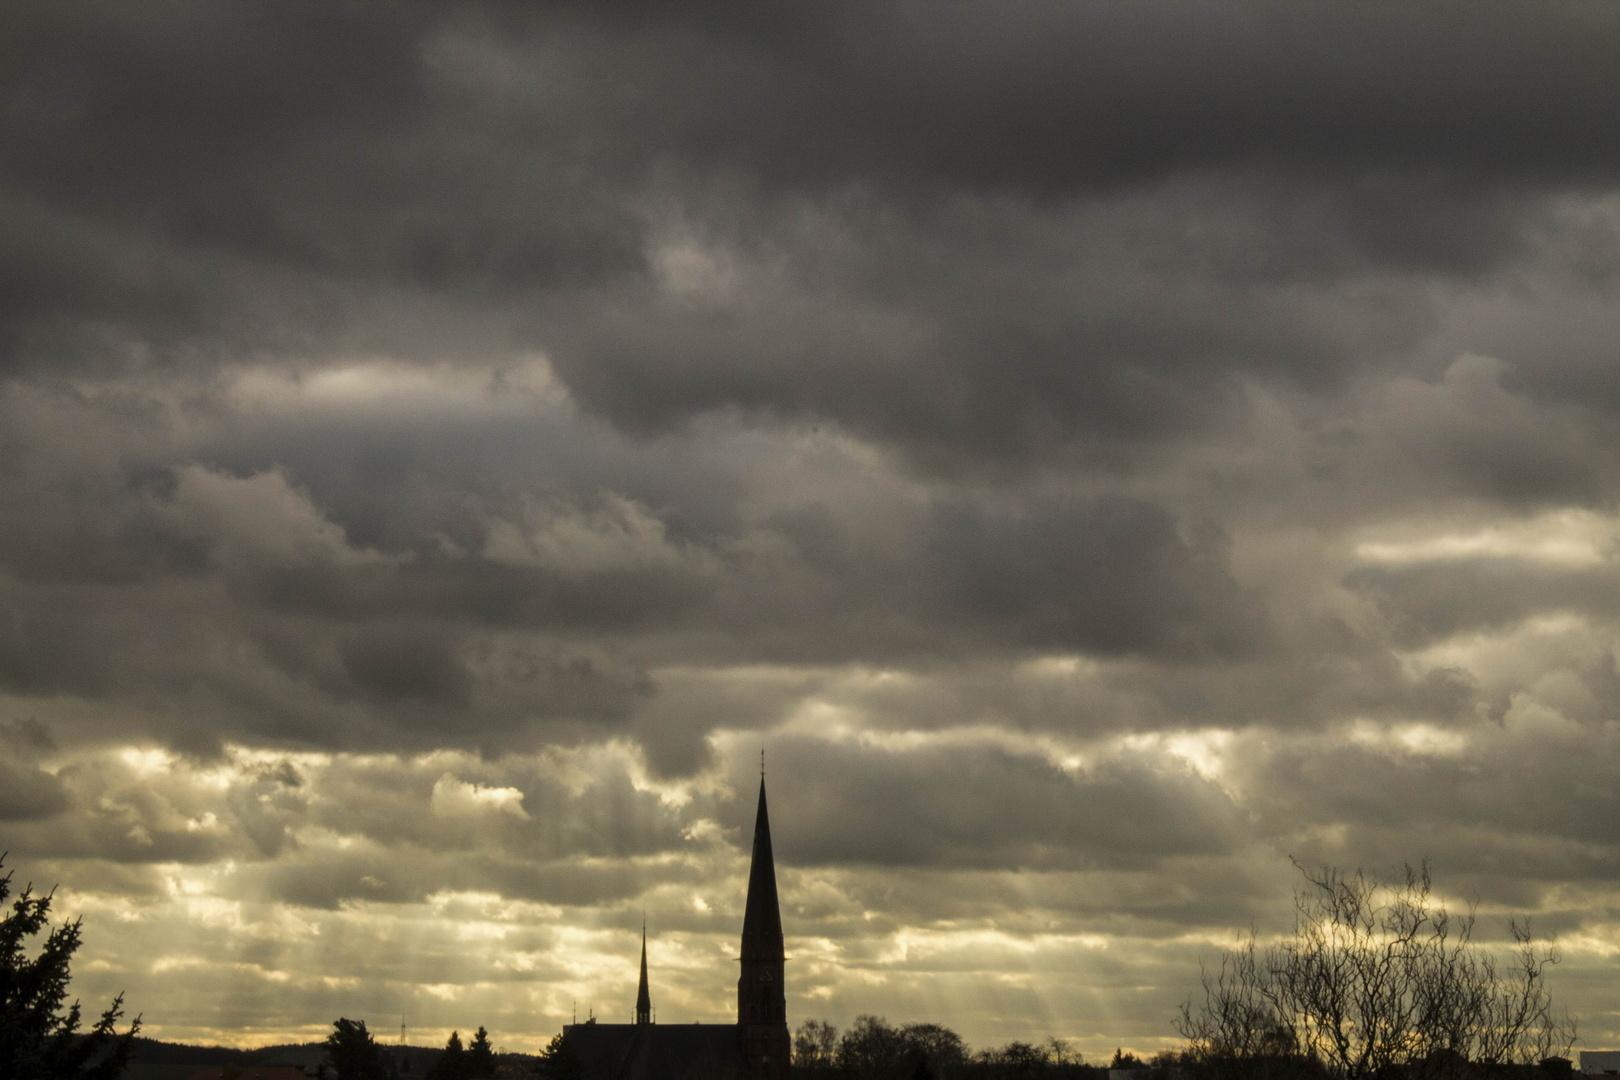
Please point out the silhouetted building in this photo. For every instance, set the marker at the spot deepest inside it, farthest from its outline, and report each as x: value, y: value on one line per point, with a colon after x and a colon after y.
x: 756, y: 1047
x: 1600, y: 1062
x: 657, y: 1051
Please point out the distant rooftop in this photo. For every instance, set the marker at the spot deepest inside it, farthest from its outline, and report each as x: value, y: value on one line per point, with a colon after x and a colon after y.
x: 1600, y: 1062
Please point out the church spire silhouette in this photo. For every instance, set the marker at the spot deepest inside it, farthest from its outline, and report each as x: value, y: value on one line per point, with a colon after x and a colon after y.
x: 757, y: 1047
x: 761, y: 999
x: 643, y: 998
x: 762, y: 917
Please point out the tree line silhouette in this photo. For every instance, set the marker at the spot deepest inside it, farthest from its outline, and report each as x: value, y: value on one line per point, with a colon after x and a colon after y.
x: 353, y: 1054
x: 874, y: 1049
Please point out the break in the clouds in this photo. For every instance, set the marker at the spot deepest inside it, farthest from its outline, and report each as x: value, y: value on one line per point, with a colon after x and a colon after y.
x: 1098, y: 451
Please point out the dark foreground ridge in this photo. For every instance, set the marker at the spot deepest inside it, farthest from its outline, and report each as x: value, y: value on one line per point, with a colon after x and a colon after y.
x: 153, y: 1059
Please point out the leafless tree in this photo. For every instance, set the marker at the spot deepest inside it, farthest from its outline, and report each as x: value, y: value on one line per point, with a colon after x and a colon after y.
x: 1376, y: 979
x: 1241, y: 1019
x: 815, y: 1045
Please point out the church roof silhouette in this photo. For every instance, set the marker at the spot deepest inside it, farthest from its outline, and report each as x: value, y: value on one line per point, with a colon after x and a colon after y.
x: 756, y: 1047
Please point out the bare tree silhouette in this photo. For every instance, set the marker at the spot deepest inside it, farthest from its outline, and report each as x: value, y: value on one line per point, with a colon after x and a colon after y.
x: 1376, y: 977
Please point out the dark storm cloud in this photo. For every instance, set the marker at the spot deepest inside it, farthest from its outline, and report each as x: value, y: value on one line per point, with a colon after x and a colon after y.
x: 28, y: 794
x: 982, y: 806
x: 1425, y: 604
x: 181, y: 180
x: 495, y: 591
x: 1495, y: 431
x: 1112, y: 576
x: 299, y: 181
x: 47, y: 646
x: 1051, y: 96
x: 1512, y: 813
x: 407, y: 666
x: 1047, y: 97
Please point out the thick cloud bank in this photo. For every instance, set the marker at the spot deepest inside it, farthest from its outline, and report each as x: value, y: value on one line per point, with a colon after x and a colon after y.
x: 1097, y: 451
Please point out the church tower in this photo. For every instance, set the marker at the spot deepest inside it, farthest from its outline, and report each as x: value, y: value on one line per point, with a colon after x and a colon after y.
x: 761, y: 999
x: 643, y: 998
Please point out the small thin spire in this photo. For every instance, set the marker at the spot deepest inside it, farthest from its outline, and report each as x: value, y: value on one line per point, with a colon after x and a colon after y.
x: 643, y: 996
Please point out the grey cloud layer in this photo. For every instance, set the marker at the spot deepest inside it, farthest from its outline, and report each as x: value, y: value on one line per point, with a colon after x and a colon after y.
x: 1079, y: 235
x: 1101, y: 450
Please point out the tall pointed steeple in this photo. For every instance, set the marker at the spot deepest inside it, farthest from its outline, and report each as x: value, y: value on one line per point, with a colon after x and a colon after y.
x: 762, y: 917
x: 761, y: 1000
x: 643, y: 998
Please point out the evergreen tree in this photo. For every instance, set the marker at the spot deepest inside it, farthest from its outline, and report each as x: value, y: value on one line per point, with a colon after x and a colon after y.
x: 1123, y: 1059
x: 559, y: 1060
x: 452, y: 1063
x: 480, y: 1056
x: 353, y: 1053
x: 38, y: 1041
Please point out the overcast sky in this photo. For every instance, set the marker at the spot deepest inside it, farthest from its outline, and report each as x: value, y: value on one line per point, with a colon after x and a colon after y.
x: 1098, y: 451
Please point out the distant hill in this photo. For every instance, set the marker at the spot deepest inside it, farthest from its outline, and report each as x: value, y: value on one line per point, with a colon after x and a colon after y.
x: 152, y: 1059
